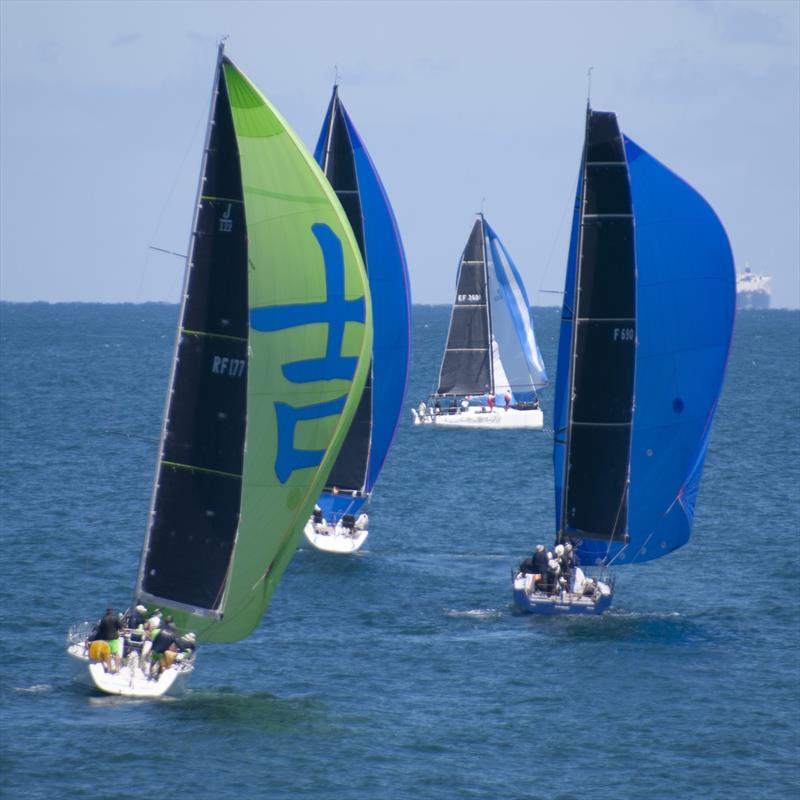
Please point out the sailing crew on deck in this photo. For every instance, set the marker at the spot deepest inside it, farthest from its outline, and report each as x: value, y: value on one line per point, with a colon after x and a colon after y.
x: 136, y: 618
x: 134, y: 624
x: 108, y: 630
x: 553, y: 570
x: 168, y: 627
x: 566, y: 561
x: 507, y: 399
x: 151, y: 630
x: 163, y: 644
x: 540, y: 565
x: 490, y: 402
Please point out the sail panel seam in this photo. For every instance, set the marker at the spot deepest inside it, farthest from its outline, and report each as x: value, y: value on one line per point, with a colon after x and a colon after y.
x: 192, y: 468
x: 187, y: 332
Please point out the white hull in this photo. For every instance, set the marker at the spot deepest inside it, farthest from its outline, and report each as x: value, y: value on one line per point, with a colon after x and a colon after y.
x: 483, y: 417
x: 130, y: 681
x: 336, y: 539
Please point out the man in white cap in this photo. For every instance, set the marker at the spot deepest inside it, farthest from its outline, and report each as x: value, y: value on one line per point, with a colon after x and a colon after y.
x: 134, y: 626
x: 133, y: 619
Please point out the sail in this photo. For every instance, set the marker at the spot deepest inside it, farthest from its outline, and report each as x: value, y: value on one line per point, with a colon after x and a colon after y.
x: 686, y: 298
x: 517, y: 363
x: 594, y: 498
x: 467, y: 363
x: 341, y: 154
x: 642, y: 357
x: 271, y: 357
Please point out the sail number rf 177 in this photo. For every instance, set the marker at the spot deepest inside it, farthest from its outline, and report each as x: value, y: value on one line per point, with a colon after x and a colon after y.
x: 233, y: 367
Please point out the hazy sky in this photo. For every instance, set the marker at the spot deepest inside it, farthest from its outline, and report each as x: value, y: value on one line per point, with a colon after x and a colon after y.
x: 460, y: 104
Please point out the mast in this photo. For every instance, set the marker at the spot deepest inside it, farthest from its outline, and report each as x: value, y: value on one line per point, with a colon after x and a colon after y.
x: 490, y: 354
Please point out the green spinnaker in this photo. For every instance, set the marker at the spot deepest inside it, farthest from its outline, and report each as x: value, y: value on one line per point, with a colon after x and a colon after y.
x: 286, y: 196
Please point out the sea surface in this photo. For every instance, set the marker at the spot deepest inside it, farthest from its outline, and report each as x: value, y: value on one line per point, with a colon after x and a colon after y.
x: 402, y: 672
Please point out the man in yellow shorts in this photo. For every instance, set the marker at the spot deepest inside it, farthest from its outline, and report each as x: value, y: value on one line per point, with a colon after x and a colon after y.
x: 108, y: 631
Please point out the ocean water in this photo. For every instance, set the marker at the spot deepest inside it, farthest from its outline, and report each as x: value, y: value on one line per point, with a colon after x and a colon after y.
x: 402, y: 672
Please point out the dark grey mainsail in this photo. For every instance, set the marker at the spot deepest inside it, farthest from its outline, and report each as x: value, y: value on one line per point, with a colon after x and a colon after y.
x: 467, y: 363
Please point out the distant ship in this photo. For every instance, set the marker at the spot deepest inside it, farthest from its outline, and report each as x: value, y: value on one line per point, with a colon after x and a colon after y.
x: 752, y: 291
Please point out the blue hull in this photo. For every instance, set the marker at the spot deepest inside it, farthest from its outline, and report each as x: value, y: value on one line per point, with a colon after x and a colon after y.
x: 553, y: 606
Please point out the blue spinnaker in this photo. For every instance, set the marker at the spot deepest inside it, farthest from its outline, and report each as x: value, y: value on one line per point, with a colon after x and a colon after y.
x: 685, y: 305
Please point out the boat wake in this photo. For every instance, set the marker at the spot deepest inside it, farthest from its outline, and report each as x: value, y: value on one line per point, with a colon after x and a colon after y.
x: 37, y: 688
x: 666, y: 628
x: 474, y: 613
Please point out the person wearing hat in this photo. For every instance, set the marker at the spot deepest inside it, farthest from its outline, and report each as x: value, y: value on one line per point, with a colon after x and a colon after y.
x: 134, y: 619
x: 134, y: 622
x: 566, y: 560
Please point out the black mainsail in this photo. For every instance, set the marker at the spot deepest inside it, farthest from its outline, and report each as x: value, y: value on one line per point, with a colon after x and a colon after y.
x: 467, y: 362
x: 600, y: 410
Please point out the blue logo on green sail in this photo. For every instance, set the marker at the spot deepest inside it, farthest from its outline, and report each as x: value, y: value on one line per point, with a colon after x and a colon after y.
x: 335, y: 311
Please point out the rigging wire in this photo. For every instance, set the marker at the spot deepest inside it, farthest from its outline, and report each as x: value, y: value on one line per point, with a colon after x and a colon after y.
x: 160, y: 218
x: 556, y: 239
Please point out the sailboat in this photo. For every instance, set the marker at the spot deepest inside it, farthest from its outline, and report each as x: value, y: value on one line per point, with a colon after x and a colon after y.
x: 271, y: 357
x: 339, y: 523
x: 492, y: 366
x: 646, y: 329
